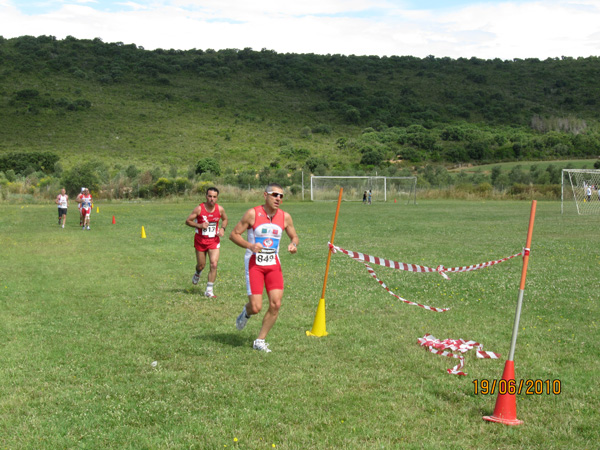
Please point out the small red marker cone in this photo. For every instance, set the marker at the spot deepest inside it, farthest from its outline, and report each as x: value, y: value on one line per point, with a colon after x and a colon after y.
x: 505, y: 411
x: 114, y: 220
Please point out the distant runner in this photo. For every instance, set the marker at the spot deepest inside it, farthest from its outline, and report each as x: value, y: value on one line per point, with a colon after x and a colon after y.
x: 85, y: 200
x: 78, y: 200
x: 62, y: 200
x: 205, y: 219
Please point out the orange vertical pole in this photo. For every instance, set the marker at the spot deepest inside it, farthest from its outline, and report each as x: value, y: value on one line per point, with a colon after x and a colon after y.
x: 319, y: 325
x: 505, y: 411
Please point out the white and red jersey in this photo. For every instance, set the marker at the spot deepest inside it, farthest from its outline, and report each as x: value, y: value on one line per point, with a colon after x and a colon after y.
x: 86, y: 201
x: 266, y: 231
x: 63, y: 201
x: 209, y: 234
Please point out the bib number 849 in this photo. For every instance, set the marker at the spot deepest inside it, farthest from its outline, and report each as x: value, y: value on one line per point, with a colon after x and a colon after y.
x: 265, y: 259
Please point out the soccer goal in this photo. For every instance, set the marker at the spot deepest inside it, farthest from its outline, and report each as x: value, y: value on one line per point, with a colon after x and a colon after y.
x: 381, y: 189
x: 583, y: 186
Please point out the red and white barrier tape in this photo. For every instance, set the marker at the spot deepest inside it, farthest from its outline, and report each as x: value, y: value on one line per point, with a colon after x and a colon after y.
x: 417, y: 268
x: 448, y: 346
x: 383, y: 285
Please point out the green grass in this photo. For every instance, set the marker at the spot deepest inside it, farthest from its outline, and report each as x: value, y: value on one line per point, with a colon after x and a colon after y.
x: 84, y: 314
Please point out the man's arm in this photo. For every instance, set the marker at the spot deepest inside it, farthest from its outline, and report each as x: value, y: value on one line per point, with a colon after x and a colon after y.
x: 191, y: 220
x: 236, y: 234
x: 224, y: 221
x: 56, y: 201
x: 291, y: 232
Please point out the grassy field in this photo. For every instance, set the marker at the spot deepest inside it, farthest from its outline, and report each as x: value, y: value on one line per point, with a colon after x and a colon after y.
x: 84, y: 314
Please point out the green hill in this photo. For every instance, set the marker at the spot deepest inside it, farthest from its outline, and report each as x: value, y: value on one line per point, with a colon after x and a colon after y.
x: 249, y: 110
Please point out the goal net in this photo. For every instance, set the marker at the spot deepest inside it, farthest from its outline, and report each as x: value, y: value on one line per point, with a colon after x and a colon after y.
x: 582, y: 186
x: 381, y: 189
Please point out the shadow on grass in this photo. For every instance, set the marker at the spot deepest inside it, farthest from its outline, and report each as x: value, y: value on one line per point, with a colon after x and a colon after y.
x: 189, y: 290
x: 231, y: 339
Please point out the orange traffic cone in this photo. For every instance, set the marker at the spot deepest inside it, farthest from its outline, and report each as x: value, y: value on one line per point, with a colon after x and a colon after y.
x: 394, y: 200
x: 506, y: 404
x: 114, y: 220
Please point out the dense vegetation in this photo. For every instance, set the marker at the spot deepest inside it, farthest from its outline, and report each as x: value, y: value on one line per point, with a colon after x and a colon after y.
x: 126, y: 116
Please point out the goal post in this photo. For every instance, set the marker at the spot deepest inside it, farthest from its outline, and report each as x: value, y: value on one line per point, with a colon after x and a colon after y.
x: 381, y: 189
x: 581, y: 188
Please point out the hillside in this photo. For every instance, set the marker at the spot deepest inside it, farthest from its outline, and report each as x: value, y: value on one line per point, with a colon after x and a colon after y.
x: 120, y: 104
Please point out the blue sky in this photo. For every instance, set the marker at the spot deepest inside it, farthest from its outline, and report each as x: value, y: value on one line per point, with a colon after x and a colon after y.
x: 33, y: 7
x: 456, y: 28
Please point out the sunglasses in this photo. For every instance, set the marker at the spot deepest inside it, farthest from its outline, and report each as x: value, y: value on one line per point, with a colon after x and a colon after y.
x: 275, y: 194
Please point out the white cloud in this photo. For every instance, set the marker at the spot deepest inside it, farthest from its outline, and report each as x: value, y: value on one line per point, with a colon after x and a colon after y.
x: 488, y: 30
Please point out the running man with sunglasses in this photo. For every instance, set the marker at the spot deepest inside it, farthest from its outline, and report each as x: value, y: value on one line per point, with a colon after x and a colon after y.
x: 265, y: 225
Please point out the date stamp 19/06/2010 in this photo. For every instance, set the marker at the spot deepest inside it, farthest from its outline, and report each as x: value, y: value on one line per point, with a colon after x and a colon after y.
x: 512, y: 387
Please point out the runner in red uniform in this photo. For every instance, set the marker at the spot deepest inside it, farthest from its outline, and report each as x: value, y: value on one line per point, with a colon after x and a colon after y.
x: 85, y: 200
x: 207, y: 240
x: 77, y: 199
x: 265, y: 225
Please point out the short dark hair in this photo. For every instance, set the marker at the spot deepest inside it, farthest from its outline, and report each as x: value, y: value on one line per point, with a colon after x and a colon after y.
x: 212, y: 188
x: 273, y: 185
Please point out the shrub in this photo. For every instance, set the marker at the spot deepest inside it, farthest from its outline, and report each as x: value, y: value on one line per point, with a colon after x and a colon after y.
x: 208, y: 165
x: 80, y: 176
x: 21, y: 161
x: 10, y: 175
x: 182, y: 184
x: 162, y: 187
x: 131, y: 171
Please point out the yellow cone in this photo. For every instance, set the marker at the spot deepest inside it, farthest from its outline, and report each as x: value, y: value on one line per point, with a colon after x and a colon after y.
x: 97, y: 209
x: 318, y: 328
x: 143, y: 233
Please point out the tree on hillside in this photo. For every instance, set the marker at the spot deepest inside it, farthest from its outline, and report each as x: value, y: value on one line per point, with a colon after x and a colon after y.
x: 208, y: 165
x: 80, y: 176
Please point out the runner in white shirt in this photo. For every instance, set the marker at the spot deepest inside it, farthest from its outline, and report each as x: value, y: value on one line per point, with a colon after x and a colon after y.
x: 62, y: 200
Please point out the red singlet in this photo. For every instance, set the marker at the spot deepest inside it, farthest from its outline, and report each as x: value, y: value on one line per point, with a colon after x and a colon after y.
x: 208, y: 238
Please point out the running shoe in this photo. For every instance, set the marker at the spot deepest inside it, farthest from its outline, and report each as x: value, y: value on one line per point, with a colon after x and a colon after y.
x: 241, y: 320
x: 88, y: 227
x: 210, y: 294
x: 261, y: 346
x: 195, y: 278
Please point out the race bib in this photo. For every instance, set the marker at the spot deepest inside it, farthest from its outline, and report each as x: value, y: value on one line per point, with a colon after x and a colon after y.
x: 266, y: 257
x: 211, y: 230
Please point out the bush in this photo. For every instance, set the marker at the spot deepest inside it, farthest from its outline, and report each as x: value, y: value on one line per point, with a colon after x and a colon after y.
x: 208, y: 165
x: 10, y: 175
x: 313, y: 162
x: 182, y: 185
x: 162, y: 187
x: 132, y: 171
x: 21, y: 161
x: 81, y: 176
